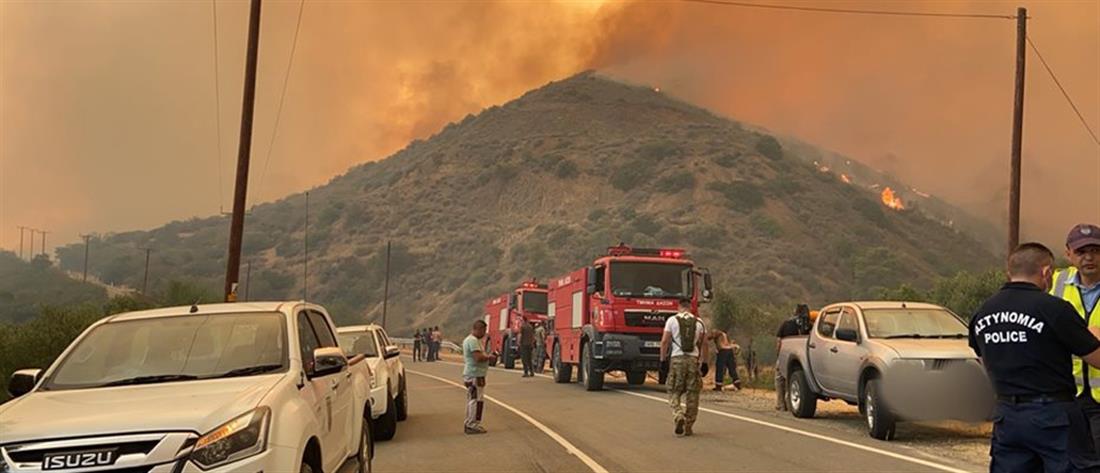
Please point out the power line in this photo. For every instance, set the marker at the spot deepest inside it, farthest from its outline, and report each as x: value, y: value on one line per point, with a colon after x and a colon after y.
x: 282, y: 97
x: 1063, y: 89
x: 218, y: 107
x: 729, y: 3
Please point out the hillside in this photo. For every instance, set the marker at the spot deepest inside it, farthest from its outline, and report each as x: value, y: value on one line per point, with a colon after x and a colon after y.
x: 27, y: 286
x: 540, y: 185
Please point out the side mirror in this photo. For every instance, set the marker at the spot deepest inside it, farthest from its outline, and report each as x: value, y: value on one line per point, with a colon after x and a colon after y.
x: 592, y: 283
x: 847, y: 335
x: 512, y: 301
x: 708, y: 284
x: 23, y: 381
x: 327, y: 361
x: 392, y: 351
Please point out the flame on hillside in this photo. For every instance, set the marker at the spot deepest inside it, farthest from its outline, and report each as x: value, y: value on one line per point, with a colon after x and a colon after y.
x: 845, y: 178
x: 891, y: 200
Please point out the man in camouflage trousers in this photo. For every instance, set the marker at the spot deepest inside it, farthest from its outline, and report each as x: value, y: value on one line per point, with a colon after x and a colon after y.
x: 681, y: 349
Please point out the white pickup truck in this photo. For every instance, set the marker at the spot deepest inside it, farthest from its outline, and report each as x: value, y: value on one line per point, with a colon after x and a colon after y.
x: 210, y: 388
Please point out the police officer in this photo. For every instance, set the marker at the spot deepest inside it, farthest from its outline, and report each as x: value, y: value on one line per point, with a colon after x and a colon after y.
x: 682, y: 346
x: 1026, y: 339
x: 1080, y: 286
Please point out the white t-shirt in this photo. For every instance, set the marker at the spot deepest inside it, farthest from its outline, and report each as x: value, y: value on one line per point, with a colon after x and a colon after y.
x: 672, y: 327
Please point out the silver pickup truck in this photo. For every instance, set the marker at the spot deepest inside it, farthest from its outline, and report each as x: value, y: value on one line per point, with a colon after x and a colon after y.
x: 894, y: 360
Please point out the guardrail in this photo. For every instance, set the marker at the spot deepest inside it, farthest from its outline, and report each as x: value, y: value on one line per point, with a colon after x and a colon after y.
x: 408, y: 342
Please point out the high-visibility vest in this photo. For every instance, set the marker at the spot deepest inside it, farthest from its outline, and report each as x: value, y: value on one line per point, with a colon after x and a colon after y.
x: 1062, y: 289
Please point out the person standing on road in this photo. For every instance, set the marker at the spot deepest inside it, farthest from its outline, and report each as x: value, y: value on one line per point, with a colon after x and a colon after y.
x: 436, y: 339
x: 682, y: 346
x: 416, y: 346
x: 540, y: 347
x: 726, y: 361
x: 797, y: 325
x: 425, y: 345
x: 1026, y: 340
x: 526, y: 347
x: 473, y: 376
x: 1080, y: 286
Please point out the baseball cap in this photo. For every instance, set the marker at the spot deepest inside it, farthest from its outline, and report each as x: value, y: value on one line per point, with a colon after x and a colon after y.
x: 1083, y: 235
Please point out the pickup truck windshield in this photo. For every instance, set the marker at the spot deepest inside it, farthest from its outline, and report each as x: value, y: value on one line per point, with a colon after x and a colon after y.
x: 534, y: 302
x: 169, y: 349
x: 649, y: 280
x: 358, y: 343
x: 913, y: 323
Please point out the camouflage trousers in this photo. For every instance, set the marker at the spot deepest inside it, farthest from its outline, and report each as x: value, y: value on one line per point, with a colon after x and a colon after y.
x: 684, y: 384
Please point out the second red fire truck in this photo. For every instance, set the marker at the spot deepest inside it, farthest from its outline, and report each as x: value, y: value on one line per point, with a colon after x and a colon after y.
x: 507, y: 313
x: 609, y: 316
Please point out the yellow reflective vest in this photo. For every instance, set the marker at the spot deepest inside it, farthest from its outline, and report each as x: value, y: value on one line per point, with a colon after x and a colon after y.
x: 1064, y: 290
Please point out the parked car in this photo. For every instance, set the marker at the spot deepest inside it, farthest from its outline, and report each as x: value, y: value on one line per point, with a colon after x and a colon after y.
x: 389, y: 393
x: 204, y: 388
x: 894, y: 360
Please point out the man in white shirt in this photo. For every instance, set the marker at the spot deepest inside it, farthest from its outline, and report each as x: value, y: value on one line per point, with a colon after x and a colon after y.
x: 682, y: 347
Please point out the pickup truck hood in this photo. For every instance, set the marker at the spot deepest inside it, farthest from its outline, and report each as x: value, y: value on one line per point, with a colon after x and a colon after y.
x: 935, y: 348
x: 194, y: 406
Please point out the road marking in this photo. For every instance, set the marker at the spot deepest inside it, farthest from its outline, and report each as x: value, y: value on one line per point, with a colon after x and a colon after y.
x: 569, y: 447
x: 793, y: 430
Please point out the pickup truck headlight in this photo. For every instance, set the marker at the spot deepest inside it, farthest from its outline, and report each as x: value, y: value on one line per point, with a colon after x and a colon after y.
x: 237, y: 439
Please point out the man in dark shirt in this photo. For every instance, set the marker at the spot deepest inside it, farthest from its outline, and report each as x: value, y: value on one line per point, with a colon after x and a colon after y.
x: 797, y: 325
x: 1026, y: 339
x: 526, y: 347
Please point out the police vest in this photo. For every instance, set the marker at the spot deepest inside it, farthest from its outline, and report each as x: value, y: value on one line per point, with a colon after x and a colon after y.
x: 1064, y: 290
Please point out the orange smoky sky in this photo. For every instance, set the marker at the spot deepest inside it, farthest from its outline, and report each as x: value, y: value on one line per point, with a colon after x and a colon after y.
x: 109, y: 113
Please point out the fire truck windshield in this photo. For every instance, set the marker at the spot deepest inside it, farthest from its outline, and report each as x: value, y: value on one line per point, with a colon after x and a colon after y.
x: 534, y: 302
x: 649, y: 280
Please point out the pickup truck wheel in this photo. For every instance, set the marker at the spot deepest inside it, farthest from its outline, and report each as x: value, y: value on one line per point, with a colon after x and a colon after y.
x: 635, y: 377
x: 506, y: 353
x: 802, y: 401
x: 386, y: 426
x: 593, y: 380
x: 366, y: 448
x: 562, y: 372
x: 881, y: 423
x: 403, y: 402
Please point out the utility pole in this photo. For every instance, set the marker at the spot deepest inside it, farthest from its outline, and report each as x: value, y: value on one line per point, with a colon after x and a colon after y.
x: 247, y: 280
x: 43, y: 232
x: 240, y: 193
x: 21, y: 230
x: 1017, y: 131
x: 87, y: 243
x: 30, y: 254
x: 145, y: 280
x: 386, y: 289
x: 305, y: 260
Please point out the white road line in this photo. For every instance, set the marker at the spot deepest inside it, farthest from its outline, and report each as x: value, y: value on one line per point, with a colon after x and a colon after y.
x: 793, y: 430
x: 569, y: 447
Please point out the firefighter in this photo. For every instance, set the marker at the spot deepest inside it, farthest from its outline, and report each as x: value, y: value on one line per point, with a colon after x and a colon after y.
x: 1026, y: 340
x: 526, y: 347
x: 1080, y: 286
x: 682, y: 346
x: 540, y: 347
x: 797, y: 325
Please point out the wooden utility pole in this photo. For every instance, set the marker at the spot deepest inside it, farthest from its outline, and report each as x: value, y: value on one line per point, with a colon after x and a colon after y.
x: 30, y: 254
x: 386, y: 288
x: 240, y: 193
x: 247, y: 279
x: 1017, y: 131
x: 21, y: 230
x: 87, y: 243
x: 145, y: 279
x: 43, y: 232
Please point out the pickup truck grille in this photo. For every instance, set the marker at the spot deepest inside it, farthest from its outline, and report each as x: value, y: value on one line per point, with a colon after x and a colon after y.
x: 134, y: 453
x: 642, y: 318
x: 942, y: 364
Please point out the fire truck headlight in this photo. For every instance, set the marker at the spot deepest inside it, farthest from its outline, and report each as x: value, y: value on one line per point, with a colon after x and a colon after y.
x: 614, y: 344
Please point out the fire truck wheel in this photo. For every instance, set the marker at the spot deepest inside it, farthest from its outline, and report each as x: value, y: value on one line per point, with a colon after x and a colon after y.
x: 563, y: 373
x: 635, y: 377
x: 593, y: 380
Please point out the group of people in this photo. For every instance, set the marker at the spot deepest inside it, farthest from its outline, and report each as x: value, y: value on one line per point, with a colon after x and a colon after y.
x: 426, y: 343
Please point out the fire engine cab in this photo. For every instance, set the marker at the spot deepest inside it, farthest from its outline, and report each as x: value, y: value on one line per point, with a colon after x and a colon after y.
x: 609, y: 316
x: 506, y: 314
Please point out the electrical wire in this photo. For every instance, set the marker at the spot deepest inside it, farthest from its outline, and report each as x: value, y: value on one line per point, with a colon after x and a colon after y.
x: 282, y: 98
x: 218, y: 109
x: 730, y: 3
x: 1063, y: 89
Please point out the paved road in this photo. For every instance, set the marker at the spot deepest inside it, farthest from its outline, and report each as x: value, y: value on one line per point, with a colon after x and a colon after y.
x: 623, y: 428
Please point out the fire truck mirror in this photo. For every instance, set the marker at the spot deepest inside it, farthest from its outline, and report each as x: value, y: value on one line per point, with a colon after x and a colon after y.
x: 511, y: 301
x: 708, y: 284
x: 592, y: 282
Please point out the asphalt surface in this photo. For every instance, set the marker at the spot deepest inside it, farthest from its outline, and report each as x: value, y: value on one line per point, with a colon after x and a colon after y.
x: 561, y: 427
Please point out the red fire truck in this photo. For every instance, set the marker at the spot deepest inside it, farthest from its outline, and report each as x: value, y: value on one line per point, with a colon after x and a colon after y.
x: 506, y: 314
x: 609, y: 316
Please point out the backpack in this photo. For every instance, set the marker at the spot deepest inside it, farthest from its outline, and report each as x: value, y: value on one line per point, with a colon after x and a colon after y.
x: 687, y: 332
